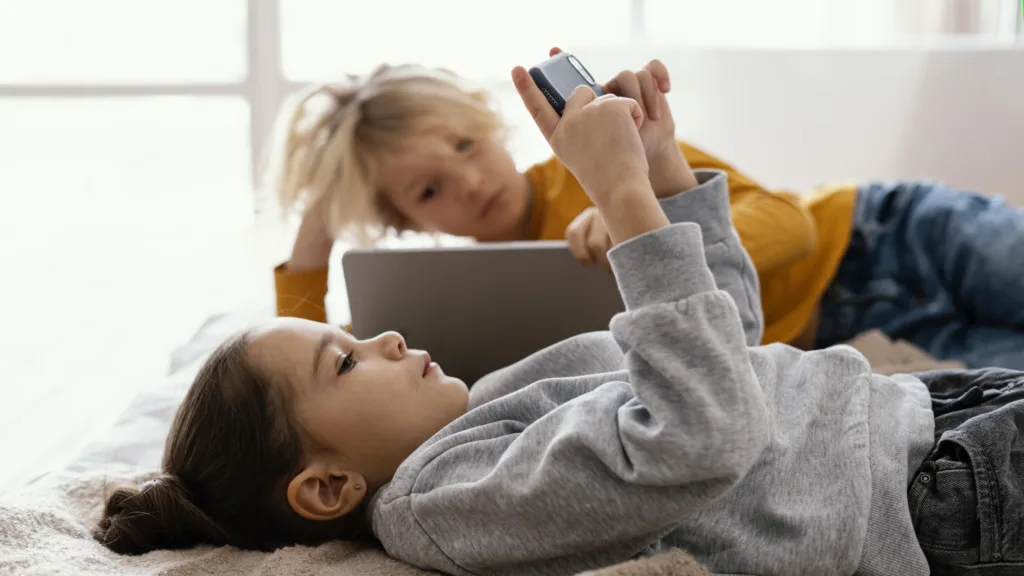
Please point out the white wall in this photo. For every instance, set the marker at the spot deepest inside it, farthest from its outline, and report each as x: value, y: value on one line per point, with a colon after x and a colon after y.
x: 795, y: 118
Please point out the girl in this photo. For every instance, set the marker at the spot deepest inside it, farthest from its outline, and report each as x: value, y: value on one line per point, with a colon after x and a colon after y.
x: 669, y: 430
x: 409, y: 148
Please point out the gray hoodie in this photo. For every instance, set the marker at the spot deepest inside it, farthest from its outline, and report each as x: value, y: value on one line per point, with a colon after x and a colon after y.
x: 671, y: 429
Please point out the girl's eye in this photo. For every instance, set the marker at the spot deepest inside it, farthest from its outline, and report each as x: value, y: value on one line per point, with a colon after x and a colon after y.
x: 428, y: 194
x: 463, y: 144
x: 347, y: 363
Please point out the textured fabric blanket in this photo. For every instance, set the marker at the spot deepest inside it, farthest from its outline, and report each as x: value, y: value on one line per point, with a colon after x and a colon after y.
x: 44, y: 529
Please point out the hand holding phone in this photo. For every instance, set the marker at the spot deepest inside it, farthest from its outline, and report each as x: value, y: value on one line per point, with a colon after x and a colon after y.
x: 558, y: 76
x: 670, y: 173
x: 596, y: 138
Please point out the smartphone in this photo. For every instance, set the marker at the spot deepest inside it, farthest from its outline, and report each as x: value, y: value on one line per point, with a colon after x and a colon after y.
x: 558, y: 76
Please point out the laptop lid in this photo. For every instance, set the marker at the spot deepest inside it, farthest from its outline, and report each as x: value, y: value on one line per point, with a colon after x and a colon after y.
x: 478, y: 308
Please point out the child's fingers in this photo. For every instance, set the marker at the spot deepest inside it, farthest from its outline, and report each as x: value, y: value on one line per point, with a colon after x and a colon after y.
x: 663, y: 101
x: 650, y: 93
x: 598, y: 244
x: 660, y: 73
x: 576, y: 236
x: 578, y: 249
x: 611, y: 87
x: 627, y: 105
x: 634, y: 109
x: 543, y: 114
x: 579, y: 98
x: 628, y: 86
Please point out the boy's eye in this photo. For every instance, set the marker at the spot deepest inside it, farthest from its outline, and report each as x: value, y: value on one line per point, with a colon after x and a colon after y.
x: 428, y: 194
x: 463, y: 144
x: 347, y: 363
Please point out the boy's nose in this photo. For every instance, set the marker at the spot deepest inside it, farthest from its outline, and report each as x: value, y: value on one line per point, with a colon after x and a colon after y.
x: 472, y: 183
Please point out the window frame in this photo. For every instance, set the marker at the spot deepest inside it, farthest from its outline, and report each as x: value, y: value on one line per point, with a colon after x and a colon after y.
x: 265, y: 85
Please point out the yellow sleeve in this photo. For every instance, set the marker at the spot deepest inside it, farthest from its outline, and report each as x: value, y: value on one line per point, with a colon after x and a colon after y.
x: 301, y: 293
x: 558, y: 198
x: 773, y: 226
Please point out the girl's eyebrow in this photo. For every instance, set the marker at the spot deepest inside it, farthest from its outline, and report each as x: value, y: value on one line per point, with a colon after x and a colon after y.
x: 325, y: 340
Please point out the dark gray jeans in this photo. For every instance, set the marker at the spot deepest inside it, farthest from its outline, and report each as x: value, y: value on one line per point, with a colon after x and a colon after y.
x: 967, y: 499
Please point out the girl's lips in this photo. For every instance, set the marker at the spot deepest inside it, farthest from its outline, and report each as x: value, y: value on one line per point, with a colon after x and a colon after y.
x: 427, y: 364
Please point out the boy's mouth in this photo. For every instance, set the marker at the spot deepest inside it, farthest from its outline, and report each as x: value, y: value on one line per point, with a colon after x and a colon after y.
x: 490, y: 204
x: 426, y: 363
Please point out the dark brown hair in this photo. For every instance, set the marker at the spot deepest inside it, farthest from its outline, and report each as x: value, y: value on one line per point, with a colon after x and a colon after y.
x: 230, y: 454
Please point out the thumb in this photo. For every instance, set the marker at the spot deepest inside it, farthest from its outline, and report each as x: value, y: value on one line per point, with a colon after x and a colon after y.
x: 634, y: 109
x: 580, y: 97
x: 541, y: 111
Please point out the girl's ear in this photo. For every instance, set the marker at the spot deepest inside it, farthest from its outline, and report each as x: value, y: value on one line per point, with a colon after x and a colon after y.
x: 317, y: 493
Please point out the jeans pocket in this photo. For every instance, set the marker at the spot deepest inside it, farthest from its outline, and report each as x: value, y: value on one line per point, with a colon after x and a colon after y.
x: 945, y: 510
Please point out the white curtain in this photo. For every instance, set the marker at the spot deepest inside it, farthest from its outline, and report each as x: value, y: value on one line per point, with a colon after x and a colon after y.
x: 992, y: 18
x: 828, y: 23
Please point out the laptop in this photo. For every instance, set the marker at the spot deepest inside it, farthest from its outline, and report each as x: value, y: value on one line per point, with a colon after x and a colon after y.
x: 478, y: 308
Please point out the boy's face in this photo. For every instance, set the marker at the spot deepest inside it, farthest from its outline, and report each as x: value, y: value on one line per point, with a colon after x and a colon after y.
x: 457, y: 186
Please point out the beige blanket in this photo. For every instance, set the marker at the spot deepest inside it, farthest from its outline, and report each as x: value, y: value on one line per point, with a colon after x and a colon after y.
x: 44, y: 528
x: 899, y: 357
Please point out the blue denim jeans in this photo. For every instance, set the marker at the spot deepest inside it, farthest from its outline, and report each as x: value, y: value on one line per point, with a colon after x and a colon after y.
x: 967, y: 498
x: 938, y: 267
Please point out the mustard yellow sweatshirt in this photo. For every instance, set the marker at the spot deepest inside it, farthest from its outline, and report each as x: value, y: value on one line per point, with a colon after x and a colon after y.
x: 796, y: 242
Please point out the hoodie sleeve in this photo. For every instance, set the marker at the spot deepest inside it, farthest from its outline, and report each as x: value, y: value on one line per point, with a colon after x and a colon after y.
x: 730, y: 264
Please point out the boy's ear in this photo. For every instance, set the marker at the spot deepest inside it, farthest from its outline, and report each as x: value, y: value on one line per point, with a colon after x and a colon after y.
x: 318, y: 493
x: 393, y: 218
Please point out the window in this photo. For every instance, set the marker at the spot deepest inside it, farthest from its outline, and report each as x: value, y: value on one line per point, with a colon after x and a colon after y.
x: 178, y: 166
x: 479, y: 40
x: 323, y: 39
x: 125, y: 166
x: 122, y: 41
x: 120, y: 87
x: 817, y: 23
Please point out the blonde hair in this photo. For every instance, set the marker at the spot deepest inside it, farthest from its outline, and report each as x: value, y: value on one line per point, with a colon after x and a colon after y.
x: 330, y: 139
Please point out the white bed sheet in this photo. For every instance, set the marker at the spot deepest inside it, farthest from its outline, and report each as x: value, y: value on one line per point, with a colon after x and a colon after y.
x: 137, y: 438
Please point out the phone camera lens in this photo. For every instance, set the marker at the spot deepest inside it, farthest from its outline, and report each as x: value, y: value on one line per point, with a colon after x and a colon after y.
x: 579, y: 67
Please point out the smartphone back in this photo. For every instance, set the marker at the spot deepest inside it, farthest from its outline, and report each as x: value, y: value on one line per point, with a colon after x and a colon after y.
x: 558, y: 76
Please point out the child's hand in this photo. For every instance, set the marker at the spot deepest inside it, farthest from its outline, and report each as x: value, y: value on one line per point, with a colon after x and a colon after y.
x: 669, y: 171
x: 596, y: 138
x: 313, y: 243
x: 588, y: 239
